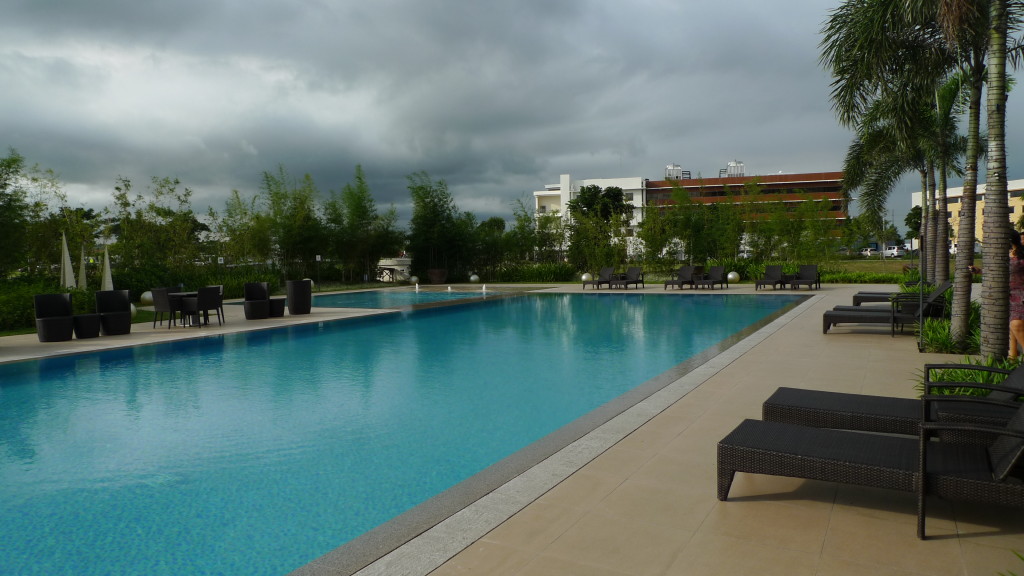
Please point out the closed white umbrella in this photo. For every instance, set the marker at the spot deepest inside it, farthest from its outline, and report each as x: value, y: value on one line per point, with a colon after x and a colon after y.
x: 67, y: 273
x: 81, y: 271
x: 108, y: 281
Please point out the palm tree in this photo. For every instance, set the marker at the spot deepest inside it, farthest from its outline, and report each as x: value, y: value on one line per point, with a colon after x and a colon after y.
x: 965, y: 25
x: 886, y: 65
x: 995, y: 311
x: 879, y: 155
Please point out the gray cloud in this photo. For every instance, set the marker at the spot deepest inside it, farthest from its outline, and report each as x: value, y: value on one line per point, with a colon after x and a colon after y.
x: 498, y: 99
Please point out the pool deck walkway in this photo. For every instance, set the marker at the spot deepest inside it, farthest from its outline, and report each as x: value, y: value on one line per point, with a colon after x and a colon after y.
x: 636, y: 497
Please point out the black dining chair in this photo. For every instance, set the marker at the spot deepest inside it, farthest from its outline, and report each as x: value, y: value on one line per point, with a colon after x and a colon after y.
x: 220, y: 301
x: 164, y: 304
x: 207, y: 299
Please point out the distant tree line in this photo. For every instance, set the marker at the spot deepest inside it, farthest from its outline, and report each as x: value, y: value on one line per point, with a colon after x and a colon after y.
x: 288, y: 228
x: 700, y: 233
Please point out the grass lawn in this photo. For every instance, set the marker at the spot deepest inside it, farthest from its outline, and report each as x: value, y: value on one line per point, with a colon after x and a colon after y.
x: 888, y: 265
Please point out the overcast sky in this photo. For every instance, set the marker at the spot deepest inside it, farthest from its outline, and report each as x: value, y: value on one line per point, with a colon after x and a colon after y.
x: 496, y: 98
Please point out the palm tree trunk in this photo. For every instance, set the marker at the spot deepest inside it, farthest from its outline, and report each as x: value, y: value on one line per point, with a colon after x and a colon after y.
x: 960, y: 314
x: 941, y: 226
x: 995, y: 306
x: 935, y: 242
x: 923, y: 240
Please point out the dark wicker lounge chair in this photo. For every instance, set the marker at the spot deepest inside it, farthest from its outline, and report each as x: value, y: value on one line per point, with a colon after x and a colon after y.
x: 604, y: 277
x: 115, y: 310
x: 772, y: 277
x: 903, y: 309
x: 633, y: 275
x: 867, y: 297
x: 930, y: 468
x: 822, y: 409
x: 258, y: 304
x: 257, y: 301
x: 807, y: 275
x: 681, y: 277
x: 54, y: 317
x: 715, y: 276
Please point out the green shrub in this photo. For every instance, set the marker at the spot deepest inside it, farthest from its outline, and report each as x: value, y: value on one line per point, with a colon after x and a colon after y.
x: 531, y: 272
x: 967, y: 375
x: 835, y: 276
x: 936, y: 336
x: 16, y: 307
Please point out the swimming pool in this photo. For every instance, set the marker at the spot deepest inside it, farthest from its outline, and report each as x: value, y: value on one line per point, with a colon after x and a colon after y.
x: 256, y: 453
x: 395, y: 298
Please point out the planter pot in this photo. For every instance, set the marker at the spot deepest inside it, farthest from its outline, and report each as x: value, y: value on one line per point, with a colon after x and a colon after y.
x: 300, y: 296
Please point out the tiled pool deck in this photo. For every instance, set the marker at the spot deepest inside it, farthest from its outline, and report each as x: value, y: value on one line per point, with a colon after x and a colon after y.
x: 637, y: 495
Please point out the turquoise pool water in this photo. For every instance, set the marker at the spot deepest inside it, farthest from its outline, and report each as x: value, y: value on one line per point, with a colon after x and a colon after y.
x: 256, y: 453
x: 394, y: 298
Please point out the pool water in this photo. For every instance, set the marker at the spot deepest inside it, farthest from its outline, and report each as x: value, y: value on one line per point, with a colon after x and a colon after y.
x: 393, y: 298
x: 256, y: 453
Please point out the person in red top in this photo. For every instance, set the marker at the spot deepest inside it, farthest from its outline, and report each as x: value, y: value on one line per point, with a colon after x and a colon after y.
x: 1016, y: 293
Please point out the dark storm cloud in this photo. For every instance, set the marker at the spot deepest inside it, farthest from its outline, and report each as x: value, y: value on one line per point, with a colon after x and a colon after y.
x: 498, y: 99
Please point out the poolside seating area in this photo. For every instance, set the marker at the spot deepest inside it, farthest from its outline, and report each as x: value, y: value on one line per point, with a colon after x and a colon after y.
x: 807, y: 275
x: 604, y: 278
x: 715, y: 277
x: 947, y: 469
x: 54, y: 317
x: 115, y: 311
x: 57, y: 322
x: 773, y: 277
x: 258, y: 303
x: 648, y: 503
x: 955, y: 446
x: 684, y: 276
x: 634, y: 276
x: 903, y: 309
x: 868, y: 296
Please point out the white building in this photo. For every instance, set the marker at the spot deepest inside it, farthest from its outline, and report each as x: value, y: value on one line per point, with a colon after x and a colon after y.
x: 555, y: 197
x: 1015, y: 193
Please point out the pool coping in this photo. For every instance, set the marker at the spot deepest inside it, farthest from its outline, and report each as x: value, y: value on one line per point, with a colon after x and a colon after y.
x: 421, y: 540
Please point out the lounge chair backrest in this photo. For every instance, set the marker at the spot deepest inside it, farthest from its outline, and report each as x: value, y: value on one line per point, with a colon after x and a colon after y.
x: 773, y: 272
x: 1005, y: 453
x: 52, y: 305
x: 606, y: 273
x: 939, y: 291
x: 113, y: 301
x: 1015, y: 380
x: 256, y: 291
x: 685, y: 273
x: 716, y: 273
x: 808, y: 271
x: 633, y: 273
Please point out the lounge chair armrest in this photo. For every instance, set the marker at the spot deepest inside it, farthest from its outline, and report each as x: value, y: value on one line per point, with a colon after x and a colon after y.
x: 931, y: 386
x: 928, y: 427
x: 970, y: 399
x: 955, y: 366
